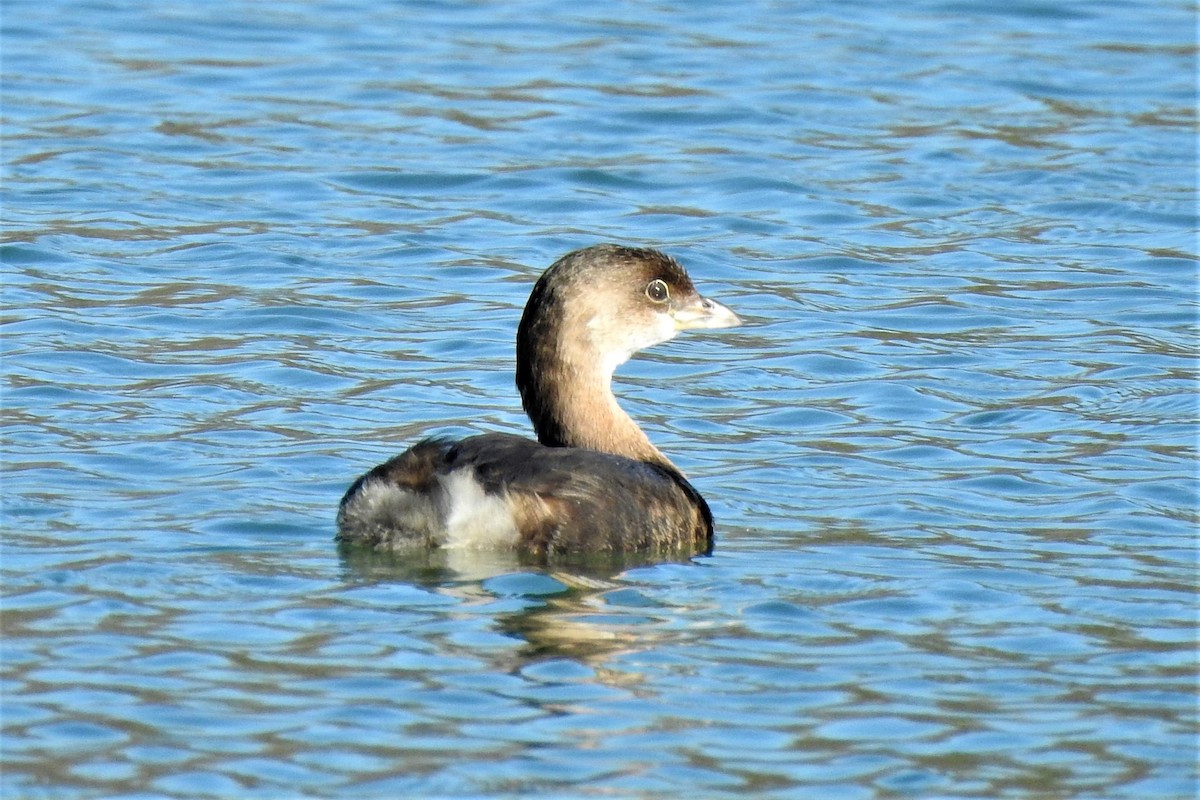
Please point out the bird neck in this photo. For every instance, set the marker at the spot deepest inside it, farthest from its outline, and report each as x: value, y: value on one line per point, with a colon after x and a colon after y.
x: 568, y: 397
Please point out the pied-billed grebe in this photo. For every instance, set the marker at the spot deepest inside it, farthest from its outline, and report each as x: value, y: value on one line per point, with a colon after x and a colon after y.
x: 592, y: 481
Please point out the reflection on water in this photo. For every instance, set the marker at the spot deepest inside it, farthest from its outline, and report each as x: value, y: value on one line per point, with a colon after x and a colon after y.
x: 563, y: 606
x: 251, y: 252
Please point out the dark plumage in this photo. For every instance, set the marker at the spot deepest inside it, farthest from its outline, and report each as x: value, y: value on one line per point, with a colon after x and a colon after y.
x: 593, y: 481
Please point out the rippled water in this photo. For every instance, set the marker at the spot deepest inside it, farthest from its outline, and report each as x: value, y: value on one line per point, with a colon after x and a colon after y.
x: 253, y: 249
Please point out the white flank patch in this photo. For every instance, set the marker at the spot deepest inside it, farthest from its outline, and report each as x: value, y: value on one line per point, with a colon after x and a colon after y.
x: 475, y: 518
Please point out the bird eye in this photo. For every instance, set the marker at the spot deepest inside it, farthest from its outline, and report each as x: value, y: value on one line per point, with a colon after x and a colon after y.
x: 657, y: 291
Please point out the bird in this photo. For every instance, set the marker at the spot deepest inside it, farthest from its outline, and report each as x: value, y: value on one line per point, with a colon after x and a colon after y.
x: 592, y: 482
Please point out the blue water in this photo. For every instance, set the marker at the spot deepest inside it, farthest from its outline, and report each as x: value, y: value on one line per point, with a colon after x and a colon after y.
x: 252, y: 249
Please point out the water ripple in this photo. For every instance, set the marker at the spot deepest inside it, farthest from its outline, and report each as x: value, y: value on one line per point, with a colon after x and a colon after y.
x: 951, y: 455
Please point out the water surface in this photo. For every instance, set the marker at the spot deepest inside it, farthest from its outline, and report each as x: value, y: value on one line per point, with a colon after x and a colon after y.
x: 253, y: 249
